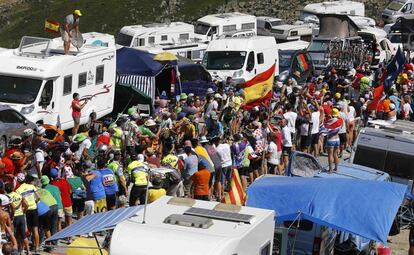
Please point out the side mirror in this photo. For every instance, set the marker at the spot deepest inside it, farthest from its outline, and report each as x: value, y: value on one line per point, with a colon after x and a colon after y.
x: 25, y: 122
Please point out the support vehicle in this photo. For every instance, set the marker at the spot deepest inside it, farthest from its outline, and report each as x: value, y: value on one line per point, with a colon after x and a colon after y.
x: 240, y: 58
x: 38, y: 80
x: 397, y: 9
x: 210, y: 27
x: 188, y: 226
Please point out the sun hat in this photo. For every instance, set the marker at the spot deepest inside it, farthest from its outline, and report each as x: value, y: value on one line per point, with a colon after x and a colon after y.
x: 210, y: 91
x: 150, y: 123
x: 203, y: 139
x: 183, y: 96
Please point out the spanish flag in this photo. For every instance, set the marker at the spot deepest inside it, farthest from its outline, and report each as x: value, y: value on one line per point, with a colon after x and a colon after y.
x: 52, y: 26
x: 236, y: 194
x: 259, y: 89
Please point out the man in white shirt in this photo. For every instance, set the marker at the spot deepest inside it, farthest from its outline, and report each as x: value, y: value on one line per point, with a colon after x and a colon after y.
x: 291, y: 117
x: 316, y: 121
x: 273, y: 157
x: 407, y: 108
x: 286, y: 143
x: 224, y: 176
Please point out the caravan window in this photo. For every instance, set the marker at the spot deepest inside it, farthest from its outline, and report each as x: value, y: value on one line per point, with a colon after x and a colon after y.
x: 82, y: 80
x: 184, y: 36
x: 99, y: 75
x: 265, y: 250
x: 260, y: 58
x: 164, y: 37
x: 139, y: 42
x: 151, y: 39
x: 67, y: 85
x: 268, y: 25
x: 248, y: 25
x: 229, y: 28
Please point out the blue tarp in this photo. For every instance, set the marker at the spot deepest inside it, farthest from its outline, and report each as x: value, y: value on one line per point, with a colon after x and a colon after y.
x: 136, y: 62
x: 361, y: 207
x: 97, y: 222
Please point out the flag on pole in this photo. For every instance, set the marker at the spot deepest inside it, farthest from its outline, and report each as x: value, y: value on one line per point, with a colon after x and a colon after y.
x: 303, y: 65
x: 52, y: 26
x: 236, y: 194
x: 394, y: 68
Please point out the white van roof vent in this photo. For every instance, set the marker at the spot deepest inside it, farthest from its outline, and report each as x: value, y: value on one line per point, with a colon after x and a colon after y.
x: 188, y: 221
x: 220, y: 215
x: 181, y: 201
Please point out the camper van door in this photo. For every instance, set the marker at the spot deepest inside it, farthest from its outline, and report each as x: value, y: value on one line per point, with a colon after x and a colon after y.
x: 48, y: 105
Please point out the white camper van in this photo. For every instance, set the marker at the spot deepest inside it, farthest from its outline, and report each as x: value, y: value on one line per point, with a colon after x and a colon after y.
x: 211, y: 26
x: 240, y: 58
x: 38, y: 80
x: 397, y: 9
x: 148, y: 35
x: 178, y: 226
x: 335, y: 7
x: 287, y: 33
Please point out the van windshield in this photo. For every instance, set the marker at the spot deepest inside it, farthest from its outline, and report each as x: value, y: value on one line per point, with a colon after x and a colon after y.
x: 124, y: 40
x: 201, y: 28
x: 18, y: 90
x: 395, y: 38
x: 318, y: 45
x: 224, y: 60
x: 395, y: 6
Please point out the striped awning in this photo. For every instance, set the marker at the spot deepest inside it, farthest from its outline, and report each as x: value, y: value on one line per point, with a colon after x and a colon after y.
x: 97, y: 222
x: 144, y: 85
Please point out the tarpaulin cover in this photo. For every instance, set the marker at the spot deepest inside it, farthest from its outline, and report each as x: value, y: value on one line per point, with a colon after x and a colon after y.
x: 136, y: 62
x: 361, y: 207
x: 96, y: 222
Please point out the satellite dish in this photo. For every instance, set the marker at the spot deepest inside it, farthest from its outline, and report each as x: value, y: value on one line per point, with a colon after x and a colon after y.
x: 76, y: 39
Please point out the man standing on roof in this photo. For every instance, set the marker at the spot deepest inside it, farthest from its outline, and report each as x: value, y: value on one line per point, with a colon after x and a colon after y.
x: 71, y: 22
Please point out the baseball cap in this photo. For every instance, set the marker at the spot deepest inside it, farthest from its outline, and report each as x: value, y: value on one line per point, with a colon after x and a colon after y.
x: 54, y: 173
x: 77, y: 12
x: 44, y: 180
x: 335, y: 112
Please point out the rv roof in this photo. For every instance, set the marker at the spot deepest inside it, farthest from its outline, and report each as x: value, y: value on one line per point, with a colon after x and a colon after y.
x: 326, y: 6
x: 217, y: 19
x: 158, y: 211
x: 242, y: 43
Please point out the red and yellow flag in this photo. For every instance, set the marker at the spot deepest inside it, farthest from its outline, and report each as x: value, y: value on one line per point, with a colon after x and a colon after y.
x: 259, y: 89
x: 52, y: 26
x: 236, y: 194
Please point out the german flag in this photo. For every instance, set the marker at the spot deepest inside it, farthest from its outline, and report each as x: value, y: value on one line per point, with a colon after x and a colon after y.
x: 52, y: 26
x: 259, y: 89
x: 236, y: 194
x: 303, y: 65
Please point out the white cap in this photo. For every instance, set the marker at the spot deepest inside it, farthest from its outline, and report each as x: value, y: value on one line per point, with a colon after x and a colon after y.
x: 217, y: 95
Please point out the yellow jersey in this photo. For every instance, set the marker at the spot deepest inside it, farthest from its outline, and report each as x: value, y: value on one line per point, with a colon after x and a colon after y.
x: 137, y: 170
x: 17, y: 201
x: 27, y: 191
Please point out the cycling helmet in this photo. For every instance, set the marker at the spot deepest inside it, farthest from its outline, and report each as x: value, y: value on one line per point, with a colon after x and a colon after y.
x: 102, y: 148
x: 40, y: 130
x: 43, y: 145
x: 79, y: 138
x: 20, y: 177
x: 28, y: 132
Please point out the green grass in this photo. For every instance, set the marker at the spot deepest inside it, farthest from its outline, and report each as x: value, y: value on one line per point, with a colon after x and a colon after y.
x: 106, y: 16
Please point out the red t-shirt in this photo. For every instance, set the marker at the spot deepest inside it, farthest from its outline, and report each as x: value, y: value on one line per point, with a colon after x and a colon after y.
x: 9, y: 168
x: 76, y: 110
x: 65, y: 191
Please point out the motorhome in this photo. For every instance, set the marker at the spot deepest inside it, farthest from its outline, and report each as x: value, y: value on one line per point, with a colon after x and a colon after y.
x: 150, y: 35
x: 388, y: 147
x: 38, y: 80
x: 397, y: 9
x: 265, y: 25
x: 210, y: 27
x: 203, y: 227
x: 240, y: 58
x: 310, y: 11
x: 382, y: 48
x: 286, y: 33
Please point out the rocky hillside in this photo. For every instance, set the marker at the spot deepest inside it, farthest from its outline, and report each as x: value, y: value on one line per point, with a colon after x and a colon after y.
x: 26, y: 17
